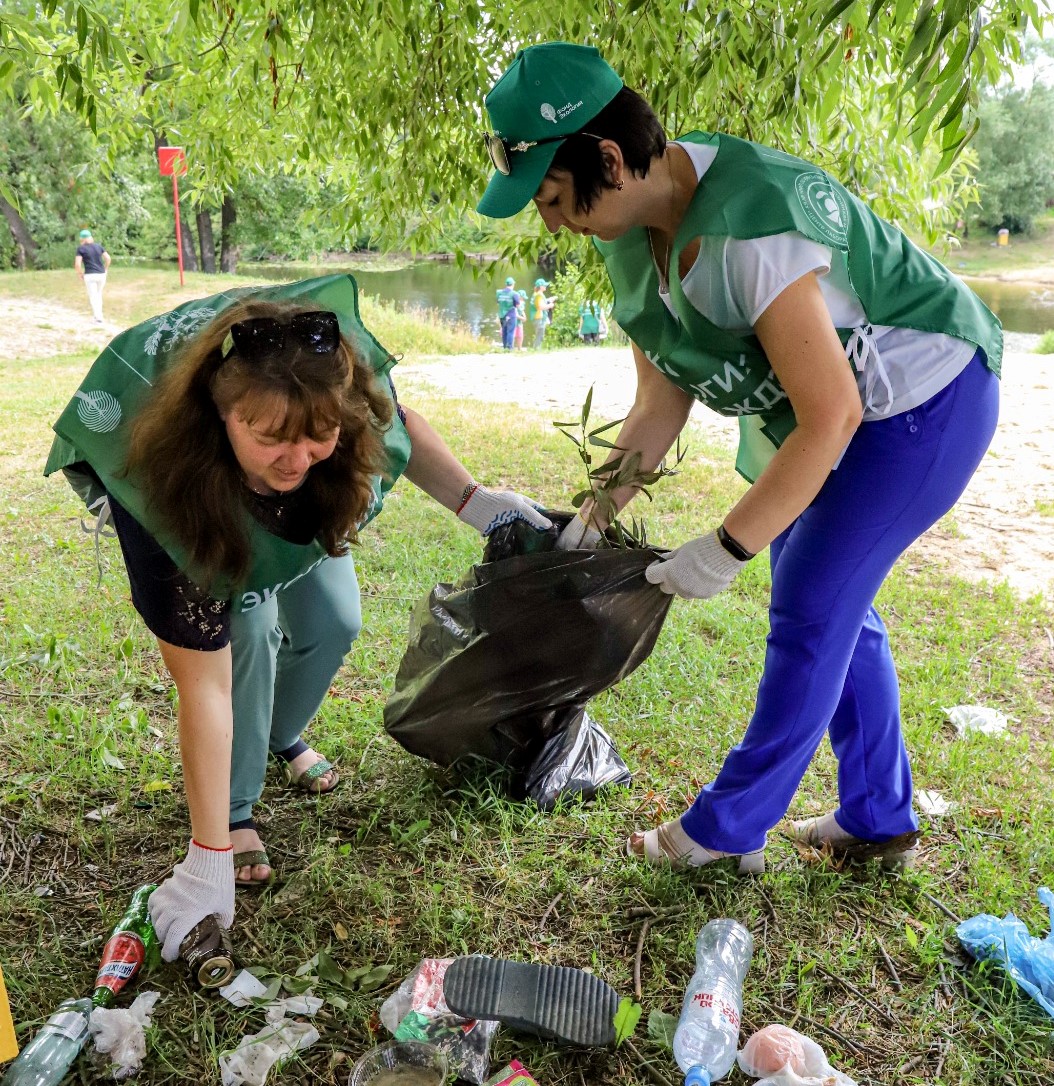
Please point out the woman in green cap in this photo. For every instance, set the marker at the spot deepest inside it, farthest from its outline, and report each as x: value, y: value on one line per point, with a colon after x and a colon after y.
x: 865, y: 380
x: 240, y: 448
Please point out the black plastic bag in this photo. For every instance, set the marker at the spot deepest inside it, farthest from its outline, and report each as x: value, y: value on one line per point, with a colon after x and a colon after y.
x: 575, y: 764
x: 506, y: 659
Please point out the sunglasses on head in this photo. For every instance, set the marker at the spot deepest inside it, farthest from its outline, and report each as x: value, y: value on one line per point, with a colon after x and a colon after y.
x: 317, y: 332
x: 499, y: 149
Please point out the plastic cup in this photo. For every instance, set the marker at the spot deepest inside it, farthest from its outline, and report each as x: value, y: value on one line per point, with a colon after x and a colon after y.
x: 401, y: 1063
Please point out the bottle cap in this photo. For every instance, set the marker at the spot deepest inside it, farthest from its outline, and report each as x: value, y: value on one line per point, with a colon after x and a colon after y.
x: 697, y: 1076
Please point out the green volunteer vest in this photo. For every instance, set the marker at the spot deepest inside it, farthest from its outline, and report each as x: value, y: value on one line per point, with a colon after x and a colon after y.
x: 751, y: 191
x: 95, y: 425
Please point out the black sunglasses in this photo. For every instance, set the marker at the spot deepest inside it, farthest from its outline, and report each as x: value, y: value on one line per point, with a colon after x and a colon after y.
x: 499, y: 149
x: 317, y: 332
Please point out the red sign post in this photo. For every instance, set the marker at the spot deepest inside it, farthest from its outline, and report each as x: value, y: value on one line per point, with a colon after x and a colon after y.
x: 172, y: 162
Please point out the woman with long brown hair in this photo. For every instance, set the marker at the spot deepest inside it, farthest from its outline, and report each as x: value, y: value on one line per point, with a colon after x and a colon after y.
x: 239, y: 465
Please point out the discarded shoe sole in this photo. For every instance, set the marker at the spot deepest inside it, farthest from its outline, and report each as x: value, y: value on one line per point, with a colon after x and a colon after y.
x: 550, y: 1001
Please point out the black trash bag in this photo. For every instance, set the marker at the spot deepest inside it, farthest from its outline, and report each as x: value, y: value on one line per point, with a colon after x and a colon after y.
x: 575, y: 764
x: 506, y: 659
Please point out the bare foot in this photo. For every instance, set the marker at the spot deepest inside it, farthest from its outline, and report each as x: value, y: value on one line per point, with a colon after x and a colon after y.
x: 248, y: 840
x: 303, y: 762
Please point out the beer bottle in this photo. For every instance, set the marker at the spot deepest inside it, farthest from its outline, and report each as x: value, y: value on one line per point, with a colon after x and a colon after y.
x: 133, y: 941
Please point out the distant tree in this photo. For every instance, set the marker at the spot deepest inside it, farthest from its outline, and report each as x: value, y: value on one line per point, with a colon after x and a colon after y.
x: 1015, y: 157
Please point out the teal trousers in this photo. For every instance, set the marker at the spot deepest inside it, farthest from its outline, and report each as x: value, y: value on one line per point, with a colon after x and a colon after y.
x: 285, y: 655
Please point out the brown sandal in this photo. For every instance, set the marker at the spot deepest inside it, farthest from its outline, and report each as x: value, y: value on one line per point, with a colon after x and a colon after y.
x: 255, y: 857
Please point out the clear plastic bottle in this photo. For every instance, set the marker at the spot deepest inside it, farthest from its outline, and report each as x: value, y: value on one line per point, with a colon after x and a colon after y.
x: 47, y: 1058
x: 708, y: 1032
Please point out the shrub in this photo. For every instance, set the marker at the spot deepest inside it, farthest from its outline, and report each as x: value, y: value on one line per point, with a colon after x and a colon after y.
x: 1046, y: 343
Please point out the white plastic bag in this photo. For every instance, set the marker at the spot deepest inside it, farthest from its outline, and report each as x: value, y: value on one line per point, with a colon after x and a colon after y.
x: 120, y: 1033
x: 257, y: 1053
x: 780, y: 1056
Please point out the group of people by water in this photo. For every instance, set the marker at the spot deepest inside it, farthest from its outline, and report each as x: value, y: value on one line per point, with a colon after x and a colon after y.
x: 514, y: 310
x: 249, y: 446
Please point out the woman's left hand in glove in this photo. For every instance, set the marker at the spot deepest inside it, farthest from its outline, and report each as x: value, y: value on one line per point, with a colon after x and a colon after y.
x: 487, y: 509
x: 696, y: 570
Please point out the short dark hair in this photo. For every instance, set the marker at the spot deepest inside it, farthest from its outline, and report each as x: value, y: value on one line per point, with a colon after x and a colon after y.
x: 630, y: 122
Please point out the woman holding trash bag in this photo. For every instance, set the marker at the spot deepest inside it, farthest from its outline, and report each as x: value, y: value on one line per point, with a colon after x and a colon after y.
x: 865, y: 379
x: 241, y: 448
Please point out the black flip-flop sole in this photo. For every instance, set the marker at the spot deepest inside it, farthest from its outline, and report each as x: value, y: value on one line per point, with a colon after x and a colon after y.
x: 551, y: 1001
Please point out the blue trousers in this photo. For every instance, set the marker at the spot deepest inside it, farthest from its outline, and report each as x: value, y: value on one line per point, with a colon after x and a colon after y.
x: 828, y: 666
x: 285, y: 654
x: 508, y: 329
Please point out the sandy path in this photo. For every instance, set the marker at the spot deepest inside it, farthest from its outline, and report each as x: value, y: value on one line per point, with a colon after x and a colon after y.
x: 1002, y: 528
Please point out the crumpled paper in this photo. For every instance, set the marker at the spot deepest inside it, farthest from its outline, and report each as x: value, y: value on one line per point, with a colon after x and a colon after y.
x: 120, y: 1033
x: 786, y: 1057
x: 257, y: 1053
x: 977, y: 718
x: 245, y: 988
x: 933, y: 803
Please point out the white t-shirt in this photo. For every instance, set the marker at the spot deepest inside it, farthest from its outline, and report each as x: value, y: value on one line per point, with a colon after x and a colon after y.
x: 733, y: 282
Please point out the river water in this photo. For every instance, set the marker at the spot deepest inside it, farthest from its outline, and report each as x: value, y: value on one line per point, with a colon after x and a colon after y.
x: 467, y: 295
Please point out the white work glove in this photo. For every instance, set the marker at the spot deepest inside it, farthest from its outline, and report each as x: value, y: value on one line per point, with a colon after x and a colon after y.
x: 487, y: 509
x: 696, y: 570
x: 579, y: 536
x: 202, y: 885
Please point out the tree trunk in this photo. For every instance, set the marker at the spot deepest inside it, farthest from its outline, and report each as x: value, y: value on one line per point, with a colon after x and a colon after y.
x: 228, y: 237
x: 206, y: 242
x: 25, y: 246
x: 190, y: 257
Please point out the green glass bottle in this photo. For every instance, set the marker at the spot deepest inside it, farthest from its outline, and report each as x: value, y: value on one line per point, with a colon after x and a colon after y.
x: 133, y: 943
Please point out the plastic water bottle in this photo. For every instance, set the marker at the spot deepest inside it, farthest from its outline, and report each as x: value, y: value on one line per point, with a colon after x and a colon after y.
x: 47, y: 1058
x: 707, y: 1036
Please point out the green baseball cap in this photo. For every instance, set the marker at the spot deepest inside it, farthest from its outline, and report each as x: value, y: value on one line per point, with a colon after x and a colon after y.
x: 84, y: 234
x: 540, y: 283
x: 549, y: 92
x: 510, y: 282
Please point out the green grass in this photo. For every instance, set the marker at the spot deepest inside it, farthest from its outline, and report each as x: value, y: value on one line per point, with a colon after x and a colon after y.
x: 979, y: 255
x: 1046, y: 343
x: 407, y: 860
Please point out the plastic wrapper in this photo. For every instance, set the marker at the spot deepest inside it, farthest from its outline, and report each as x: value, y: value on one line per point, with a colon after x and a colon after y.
x: 504, y: 660
x: 781, y: 1056
x: 575, y: 763
x: 417, y: 1011
x: 1028, y: 959
x: 120, y: 1033
x: 250, y: 1063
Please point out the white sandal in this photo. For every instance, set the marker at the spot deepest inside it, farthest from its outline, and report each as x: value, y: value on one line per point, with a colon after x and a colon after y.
x: 823, y: 834
x: 669, y: 844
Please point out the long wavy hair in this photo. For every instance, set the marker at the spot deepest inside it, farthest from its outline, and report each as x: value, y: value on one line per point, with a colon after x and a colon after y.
x: 180, y: 454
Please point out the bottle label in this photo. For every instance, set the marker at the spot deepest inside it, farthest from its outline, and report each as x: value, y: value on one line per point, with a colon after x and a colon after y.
x: 67, y: 1024
x: 708, y: 1001
x: 122, y: 958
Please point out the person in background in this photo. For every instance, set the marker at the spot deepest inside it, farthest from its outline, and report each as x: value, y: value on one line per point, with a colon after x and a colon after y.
x: 866, y: 380
x: 507, y: 298
x: 541, y: 309
x: 264, y: 444
x: 91, y: 263
x: 521, y: 318
x: 589, y: 322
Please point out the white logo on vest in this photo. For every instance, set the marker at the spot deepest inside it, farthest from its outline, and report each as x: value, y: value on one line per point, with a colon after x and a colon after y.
x: 99, y: 411
x: 180, y: 325
x: 825, y: 207
x: 548, y: 112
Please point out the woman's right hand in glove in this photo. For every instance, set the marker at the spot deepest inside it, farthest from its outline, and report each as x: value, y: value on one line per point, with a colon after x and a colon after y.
x: 202, y: 885
x: 579, y: 536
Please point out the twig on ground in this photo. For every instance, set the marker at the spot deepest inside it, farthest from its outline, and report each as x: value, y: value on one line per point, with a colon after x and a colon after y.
x: 891, y: 969
x: 883, y: 1014
x: 637, y: 958
x: 635, y: 912
x: 649, y: 1068
x: 549, y: 910
x: 938, y: 904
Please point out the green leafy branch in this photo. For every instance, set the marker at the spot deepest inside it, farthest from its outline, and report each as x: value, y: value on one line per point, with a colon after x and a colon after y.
x: 611, y: 475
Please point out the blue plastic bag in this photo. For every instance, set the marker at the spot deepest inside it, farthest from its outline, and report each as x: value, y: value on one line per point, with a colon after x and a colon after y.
x: 1030, y: 961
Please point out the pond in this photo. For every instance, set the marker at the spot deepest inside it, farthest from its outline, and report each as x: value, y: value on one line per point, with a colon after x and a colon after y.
x: 467, y: 295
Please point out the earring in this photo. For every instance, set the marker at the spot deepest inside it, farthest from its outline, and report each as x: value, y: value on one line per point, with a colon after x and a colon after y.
x: 618, y: 185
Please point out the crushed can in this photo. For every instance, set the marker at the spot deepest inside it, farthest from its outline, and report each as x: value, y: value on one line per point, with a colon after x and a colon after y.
x: 208, y: 954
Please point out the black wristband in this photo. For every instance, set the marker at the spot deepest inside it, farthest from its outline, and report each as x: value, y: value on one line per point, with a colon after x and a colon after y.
x: 735, y: 549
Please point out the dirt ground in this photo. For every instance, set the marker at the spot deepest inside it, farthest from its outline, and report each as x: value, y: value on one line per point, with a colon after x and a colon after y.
x: 1003, y: 527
